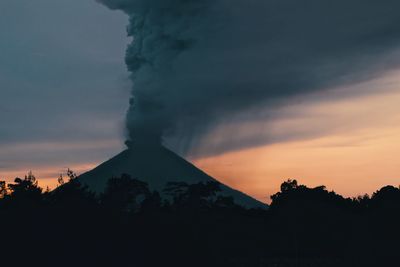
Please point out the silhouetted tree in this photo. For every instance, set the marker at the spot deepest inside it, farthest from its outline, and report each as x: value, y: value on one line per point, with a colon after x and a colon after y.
x: 387, y: 198
x: 193, y: 196
x: 124, y: 194
x: 26, y: 189
x: 60, y: 180
x: 289, y: 185
x: 226, y: 202
x: 303, y: 227
x: 3, y: 189
x: 71, y: 194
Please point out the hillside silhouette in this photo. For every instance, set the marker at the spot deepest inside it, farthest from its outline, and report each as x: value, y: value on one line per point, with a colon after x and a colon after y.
x: 157, y: 166
x: 130, y: 225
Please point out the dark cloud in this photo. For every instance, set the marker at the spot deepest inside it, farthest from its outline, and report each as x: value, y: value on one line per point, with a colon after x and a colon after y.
x: 197, y: 64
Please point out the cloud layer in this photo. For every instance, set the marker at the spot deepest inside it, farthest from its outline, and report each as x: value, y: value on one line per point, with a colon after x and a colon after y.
x: 198, y: 64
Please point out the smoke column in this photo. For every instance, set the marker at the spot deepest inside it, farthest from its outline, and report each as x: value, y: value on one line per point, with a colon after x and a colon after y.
x: 197, y: 63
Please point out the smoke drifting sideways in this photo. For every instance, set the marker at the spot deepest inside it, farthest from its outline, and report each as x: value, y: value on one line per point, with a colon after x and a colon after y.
x: 196, y: 64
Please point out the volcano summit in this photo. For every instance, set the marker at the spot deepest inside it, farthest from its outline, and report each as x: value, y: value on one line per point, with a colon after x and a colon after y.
x: 156, y: 165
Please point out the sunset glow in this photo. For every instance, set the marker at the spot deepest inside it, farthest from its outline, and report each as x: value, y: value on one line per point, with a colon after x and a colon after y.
x: 348, y: 144
x: 286, y: 108
x: 357, y: 152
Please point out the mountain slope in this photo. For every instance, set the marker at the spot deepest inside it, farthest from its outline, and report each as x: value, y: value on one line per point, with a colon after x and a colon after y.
x: 157, y: 166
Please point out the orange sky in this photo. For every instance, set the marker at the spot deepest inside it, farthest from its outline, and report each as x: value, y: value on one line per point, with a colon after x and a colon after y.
x: 354, y: 146
x: 349, y: 169
x: 358, y: 152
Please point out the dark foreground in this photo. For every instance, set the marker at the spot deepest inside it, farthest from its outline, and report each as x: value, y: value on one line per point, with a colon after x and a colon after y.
x: 130, y: 226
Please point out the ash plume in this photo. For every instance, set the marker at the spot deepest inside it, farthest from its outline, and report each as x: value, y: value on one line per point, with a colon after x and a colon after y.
x: 198, y: 63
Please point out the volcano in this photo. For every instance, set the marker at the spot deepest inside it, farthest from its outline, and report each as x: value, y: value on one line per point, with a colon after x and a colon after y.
x: 157, y: 166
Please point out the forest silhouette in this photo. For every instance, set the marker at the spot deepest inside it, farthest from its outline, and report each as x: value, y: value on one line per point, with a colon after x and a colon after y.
x: 130, y: 225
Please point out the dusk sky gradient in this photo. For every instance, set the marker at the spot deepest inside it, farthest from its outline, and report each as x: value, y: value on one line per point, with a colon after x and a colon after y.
x: 64, y: 93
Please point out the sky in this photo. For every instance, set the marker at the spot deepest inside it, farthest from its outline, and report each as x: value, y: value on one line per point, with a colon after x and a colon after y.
x: 65, y: 89
x: 63, y: 86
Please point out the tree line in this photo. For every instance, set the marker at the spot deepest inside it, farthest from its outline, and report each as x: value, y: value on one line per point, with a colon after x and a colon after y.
x: 130, y: 225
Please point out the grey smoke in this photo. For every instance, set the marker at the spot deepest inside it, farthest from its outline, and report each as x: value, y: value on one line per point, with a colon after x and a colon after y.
x: 198, y: 63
